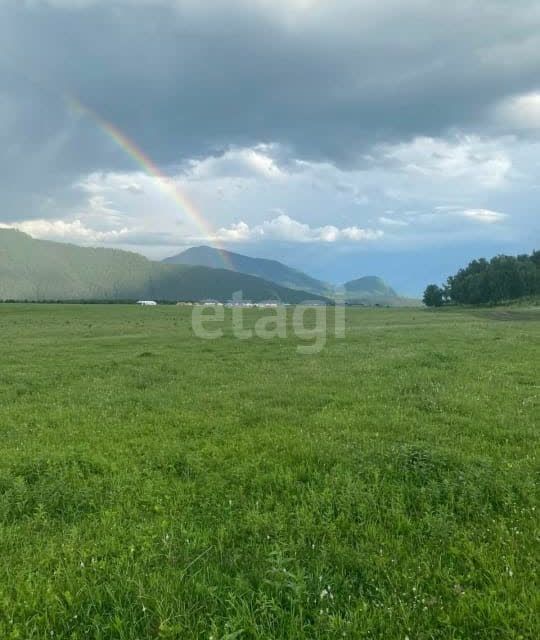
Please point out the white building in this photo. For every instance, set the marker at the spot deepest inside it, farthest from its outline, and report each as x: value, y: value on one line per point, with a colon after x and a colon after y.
x: 147, y: 303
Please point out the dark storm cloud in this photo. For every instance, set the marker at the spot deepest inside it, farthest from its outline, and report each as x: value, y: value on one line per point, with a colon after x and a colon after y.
x: 183, y: 78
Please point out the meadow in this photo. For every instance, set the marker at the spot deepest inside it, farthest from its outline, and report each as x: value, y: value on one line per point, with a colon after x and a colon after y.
x: 155, y: 485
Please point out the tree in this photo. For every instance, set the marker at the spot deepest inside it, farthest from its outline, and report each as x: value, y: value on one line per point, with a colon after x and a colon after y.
x: 433, y: 296
x: 490, y: 282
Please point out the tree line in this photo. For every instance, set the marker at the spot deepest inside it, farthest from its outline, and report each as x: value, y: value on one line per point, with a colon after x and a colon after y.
x: 489, y: 281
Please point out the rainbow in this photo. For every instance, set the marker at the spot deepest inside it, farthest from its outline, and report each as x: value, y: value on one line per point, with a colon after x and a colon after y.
x: 145, y: 162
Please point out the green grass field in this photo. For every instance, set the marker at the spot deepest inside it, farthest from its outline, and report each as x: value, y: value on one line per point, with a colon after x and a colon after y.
x: 154, y: 485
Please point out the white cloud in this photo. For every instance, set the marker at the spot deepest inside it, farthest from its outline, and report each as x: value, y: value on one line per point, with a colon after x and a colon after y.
x: 100, y: 182
x: 239, y: 232
x: 266, y: 195
x: 520, y: 112
x: 62, y: 230
x: 255, y: 162
x: 446, y: 207
x: 470, y: 158
x: 392, y: 222
x: 486, y: 216
x: 447, y: 215
x: 133, y: 188
x: 285, y: 228
x: 99, y: 205
x: 281, y: 228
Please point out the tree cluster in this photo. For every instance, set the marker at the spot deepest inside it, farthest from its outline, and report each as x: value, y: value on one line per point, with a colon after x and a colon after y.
x: 489, y: 281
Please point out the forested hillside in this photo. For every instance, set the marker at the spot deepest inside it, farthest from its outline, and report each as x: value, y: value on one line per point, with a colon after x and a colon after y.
x: 40, y: 270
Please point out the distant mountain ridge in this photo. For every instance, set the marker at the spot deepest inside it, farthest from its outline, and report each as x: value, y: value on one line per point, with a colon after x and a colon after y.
x: 261, y: 267
x: 367, y: 290
x: 33, y: 269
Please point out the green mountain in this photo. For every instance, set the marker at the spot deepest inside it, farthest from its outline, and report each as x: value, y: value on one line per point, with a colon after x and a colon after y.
x: 371, y: 290
x: 368, y: 290
x: 41, y: 270
x: 368, y: 287
x: 268, y: 269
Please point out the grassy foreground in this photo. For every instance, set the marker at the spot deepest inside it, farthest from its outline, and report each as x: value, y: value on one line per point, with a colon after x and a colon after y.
x: 154, y: 485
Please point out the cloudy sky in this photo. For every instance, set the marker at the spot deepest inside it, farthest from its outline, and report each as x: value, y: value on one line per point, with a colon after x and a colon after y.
x: 345, y: 137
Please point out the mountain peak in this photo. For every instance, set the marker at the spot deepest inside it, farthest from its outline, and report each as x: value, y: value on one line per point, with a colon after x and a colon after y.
x: 369, y: 286
x: 271, y: 270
